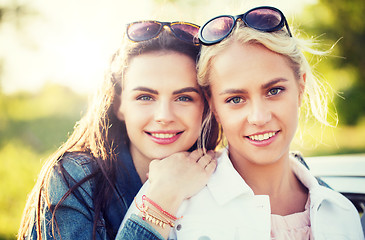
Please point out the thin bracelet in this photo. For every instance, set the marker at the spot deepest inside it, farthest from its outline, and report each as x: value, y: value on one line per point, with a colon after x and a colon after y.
x: 167, y: 214
x: 146, y: 216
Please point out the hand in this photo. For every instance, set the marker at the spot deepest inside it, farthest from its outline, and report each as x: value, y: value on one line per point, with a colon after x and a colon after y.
x: 179, y: 177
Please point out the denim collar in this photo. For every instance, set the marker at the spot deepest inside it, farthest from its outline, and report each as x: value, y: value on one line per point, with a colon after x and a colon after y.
x: 128, y: 180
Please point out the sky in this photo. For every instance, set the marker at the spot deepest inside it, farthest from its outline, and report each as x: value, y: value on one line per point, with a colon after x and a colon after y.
x: 70, y: 42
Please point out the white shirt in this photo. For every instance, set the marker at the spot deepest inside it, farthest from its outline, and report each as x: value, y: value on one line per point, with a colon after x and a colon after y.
x: 228, y: 209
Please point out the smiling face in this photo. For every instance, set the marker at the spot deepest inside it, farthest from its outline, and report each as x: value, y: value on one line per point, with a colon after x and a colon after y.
x: 255, y: 97
x: 161, y: 104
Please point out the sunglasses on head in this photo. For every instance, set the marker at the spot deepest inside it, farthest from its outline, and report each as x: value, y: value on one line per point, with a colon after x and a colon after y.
x: 265, y: 19
x: 146, y: 30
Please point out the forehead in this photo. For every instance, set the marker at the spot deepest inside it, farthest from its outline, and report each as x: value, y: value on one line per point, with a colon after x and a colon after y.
x: 161, y: 68
x: 249, y: 63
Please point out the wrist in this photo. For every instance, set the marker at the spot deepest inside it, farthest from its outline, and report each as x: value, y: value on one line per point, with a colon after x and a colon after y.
x: 168, y: 200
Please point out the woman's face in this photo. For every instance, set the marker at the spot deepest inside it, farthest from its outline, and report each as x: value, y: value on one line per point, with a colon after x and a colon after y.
x: 255, y: 97
x: 161, y: 104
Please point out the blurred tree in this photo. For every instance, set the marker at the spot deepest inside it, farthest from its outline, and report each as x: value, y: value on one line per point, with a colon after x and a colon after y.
x: 343, y: 21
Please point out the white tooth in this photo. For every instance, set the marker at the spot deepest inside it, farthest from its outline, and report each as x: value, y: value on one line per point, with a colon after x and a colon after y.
x: 162, y: 135
x: 261, y: 137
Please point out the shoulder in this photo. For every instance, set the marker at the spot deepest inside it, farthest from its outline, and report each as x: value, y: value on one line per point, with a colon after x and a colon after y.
x: 334, y: 198
x: 72, y: 172
x: 333, y: 215
x: 334, y: 205
x: 77, y: 164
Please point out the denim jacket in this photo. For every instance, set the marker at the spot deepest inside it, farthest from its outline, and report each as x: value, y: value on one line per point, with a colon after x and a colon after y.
x: 75, y: 216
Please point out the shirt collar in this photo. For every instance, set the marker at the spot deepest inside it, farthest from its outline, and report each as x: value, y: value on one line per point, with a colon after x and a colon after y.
x: 226, y: 183
x: 128, y: 180
x: 317, y: 193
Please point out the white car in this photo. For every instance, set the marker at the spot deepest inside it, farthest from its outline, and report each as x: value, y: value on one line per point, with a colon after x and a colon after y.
x: 345, y: 174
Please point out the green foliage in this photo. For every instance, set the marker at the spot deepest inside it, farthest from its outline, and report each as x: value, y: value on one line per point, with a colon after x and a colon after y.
x: 30, y: 118
x: 32, y: 126
x: 19, y: 168
x: 351, y: 113
x: 343, y: 21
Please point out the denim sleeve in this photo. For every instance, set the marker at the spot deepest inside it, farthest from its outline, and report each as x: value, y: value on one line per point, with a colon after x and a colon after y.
x: 136, y: 228
x: 74, y: 216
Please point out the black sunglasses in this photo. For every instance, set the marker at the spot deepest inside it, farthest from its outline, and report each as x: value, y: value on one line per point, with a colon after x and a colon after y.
x: 265, y: 19
x: 145, y: 30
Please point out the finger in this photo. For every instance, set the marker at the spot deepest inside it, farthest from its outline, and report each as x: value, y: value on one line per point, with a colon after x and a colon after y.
x: 211, y: 166
x: 205, y: 160
x: 196, y: 155
x: 211, y: 153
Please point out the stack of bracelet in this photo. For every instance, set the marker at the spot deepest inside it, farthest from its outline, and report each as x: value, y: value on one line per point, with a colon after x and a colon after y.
x: 155, y: 214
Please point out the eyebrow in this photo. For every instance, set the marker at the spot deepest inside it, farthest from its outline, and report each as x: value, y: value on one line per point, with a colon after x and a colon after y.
x: 145, y: 89
x: 183, y: 90
x: 273, y: 82
x: 264, y: 86
x: 233, y: 91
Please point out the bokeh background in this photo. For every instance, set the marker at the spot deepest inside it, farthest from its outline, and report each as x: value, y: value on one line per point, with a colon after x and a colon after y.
x: 53, y: 55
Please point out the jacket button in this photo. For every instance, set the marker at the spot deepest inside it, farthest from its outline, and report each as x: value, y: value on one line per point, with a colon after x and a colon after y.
x: 178, y: 227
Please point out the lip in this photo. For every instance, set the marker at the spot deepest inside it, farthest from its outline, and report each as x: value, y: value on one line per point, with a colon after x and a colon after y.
x: 164, y: 140
x: 263, y: 143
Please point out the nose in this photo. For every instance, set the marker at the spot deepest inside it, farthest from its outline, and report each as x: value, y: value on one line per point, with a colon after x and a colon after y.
x: 259, y: 113
x: 164, y: 112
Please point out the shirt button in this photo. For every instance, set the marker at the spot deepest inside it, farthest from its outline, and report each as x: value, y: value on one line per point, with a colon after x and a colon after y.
x: 178, y: 227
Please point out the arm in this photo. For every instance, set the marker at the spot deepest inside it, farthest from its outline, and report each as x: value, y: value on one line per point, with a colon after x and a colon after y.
x: 75, y: 215
x: 171, y: 181
x: 73, y: 218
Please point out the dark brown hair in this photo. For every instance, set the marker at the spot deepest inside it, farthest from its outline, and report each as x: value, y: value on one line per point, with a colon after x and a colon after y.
x: 98, y: 133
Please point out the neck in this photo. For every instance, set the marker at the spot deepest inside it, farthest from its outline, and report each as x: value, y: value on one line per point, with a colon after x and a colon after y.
x: 265, y: 179
x: 141, y: 164
x: 277, y: 180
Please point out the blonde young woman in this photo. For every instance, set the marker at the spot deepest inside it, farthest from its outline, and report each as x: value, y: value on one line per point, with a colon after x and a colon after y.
x: 256, y: 78
x: 150, y: 107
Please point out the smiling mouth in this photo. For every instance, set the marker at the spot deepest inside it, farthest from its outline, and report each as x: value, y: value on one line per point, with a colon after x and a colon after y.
x: 163, y: 135
x: 262, y: 137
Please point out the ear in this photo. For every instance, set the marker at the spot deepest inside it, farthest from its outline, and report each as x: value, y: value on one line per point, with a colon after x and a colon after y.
x: 301, y: 86
x: 117, y: 107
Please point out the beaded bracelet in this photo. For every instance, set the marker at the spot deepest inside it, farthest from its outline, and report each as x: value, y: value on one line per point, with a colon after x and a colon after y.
x: 147, y: 216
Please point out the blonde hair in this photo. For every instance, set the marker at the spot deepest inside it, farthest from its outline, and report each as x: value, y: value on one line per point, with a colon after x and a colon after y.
x: 315, y: 99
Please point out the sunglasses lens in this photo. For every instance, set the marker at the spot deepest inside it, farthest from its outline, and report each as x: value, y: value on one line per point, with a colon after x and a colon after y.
x: 264, y: 19
x: 186, y: 32
x: 142, y: 31
x: 217, y: 29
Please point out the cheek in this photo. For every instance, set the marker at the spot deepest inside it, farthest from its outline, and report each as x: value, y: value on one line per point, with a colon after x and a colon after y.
x: 196, y: 115
x: 225, y: 116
